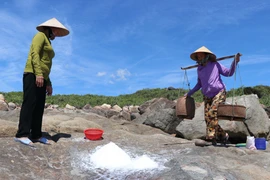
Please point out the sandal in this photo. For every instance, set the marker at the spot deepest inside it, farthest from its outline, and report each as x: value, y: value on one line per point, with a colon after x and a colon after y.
x: 42, y: 140
x: 214, y: 142
x: 226, y: 138
x: 211, y: 139
x: 25, y: 141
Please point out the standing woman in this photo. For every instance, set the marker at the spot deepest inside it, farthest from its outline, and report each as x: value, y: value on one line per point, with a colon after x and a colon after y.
x: 36, y: 82
x: 213, y: 89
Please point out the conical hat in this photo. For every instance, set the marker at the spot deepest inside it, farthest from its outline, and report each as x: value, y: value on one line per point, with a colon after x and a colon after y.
x: 63, y: 31
x: 201, y: 49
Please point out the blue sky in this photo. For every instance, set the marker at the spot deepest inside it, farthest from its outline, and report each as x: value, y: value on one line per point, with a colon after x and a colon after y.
x: 122, y: 46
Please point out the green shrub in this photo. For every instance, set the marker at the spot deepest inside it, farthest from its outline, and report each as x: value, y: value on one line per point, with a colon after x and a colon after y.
x: 138, y: 97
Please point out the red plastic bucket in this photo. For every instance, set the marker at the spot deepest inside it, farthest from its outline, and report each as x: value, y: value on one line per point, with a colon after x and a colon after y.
x: 93, y: 134
x: 260, y: 143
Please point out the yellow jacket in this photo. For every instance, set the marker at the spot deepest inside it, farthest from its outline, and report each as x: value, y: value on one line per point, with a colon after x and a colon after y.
x: 40, y: 57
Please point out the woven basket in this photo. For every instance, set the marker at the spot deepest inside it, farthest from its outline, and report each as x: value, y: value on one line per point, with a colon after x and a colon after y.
x: 231, y: 112
x: 185, y: 107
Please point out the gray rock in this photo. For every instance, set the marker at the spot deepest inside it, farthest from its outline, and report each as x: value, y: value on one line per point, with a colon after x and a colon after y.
x: 12, y: 106
x: 3, y: 106
x: 68, y: 157
x: 164, y: 119
x: 87, y: 106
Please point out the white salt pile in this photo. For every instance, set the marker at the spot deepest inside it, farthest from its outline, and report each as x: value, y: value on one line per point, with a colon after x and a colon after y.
x: 112, y: 157
x: 144, y: 162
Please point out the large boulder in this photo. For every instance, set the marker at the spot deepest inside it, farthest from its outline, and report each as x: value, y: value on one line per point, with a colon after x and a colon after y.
x: 12, y: 106
x: 117, y: 108
x: 159, y: 113
x: 156, y: 104
x: 3, y: 106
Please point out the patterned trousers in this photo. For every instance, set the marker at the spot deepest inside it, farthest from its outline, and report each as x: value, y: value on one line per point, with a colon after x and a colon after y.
x: 213, y: 129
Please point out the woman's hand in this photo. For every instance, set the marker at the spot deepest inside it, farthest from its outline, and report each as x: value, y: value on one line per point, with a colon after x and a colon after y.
x: 237, y: 57
x: 39, y: 81
x: 49, y: 90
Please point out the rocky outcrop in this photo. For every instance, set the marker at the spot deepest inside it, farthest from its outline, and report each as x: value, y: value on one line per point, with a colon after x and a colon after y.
x: 160, y: 113
x: 156, y: 104
x: 69, y: 156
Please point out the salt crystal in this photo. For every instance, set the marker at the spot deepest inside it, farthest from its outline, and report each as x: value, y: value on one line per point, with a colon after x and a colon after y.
x: 110, y: 156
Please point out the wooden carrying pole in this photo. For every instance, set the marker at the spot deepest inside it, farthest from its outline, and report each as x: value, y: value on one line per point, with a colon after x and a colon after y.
x: 218, y: 59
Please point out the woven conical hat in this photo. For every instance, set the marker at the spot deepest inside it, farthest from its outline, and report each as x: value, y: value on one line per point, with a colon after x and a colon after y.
x: 56, y: 24
x: 201, y: 49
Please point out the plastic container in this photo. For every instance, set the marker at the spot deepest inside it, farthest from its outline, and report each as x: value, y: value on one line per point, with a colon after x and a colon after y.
x: 93, y: 134
x: 250, y: 143
x: 260, y: 143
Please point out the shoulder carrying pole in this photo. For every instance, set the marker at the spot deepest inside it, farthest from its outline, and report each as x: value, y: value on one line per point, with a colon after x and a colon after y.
x: 218, y: 59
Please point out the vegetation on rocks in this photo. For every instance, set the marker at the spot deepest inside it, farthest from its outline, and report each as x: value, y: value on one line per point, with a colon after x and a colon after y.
x: 138, y: 97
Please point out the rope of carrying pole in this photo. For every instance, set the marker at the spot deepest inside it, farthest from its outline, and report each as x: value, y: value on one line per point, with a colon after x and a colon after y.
x: 242, y: 88
x: 185, y: 79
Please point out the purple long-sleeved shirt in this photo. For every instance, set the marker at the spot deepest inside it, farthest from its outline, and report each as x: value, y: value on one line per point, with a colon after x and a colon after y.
x: 209, y: 80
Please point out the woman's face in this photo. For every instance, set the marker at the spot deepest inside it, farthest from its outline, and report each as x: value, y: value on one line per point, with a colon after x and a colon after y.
x: 200, y: 56
x: 55, y: 32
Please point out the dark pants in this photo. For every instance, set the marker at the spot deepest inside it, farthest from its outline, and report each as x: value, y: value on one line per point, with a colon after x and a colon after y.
x: 32, y: 109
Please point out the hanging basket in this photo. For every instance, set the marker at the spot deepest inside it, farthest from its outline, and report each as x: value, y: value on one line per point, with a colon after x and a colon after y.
x: 185, y: 107
x: 231, y: 112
